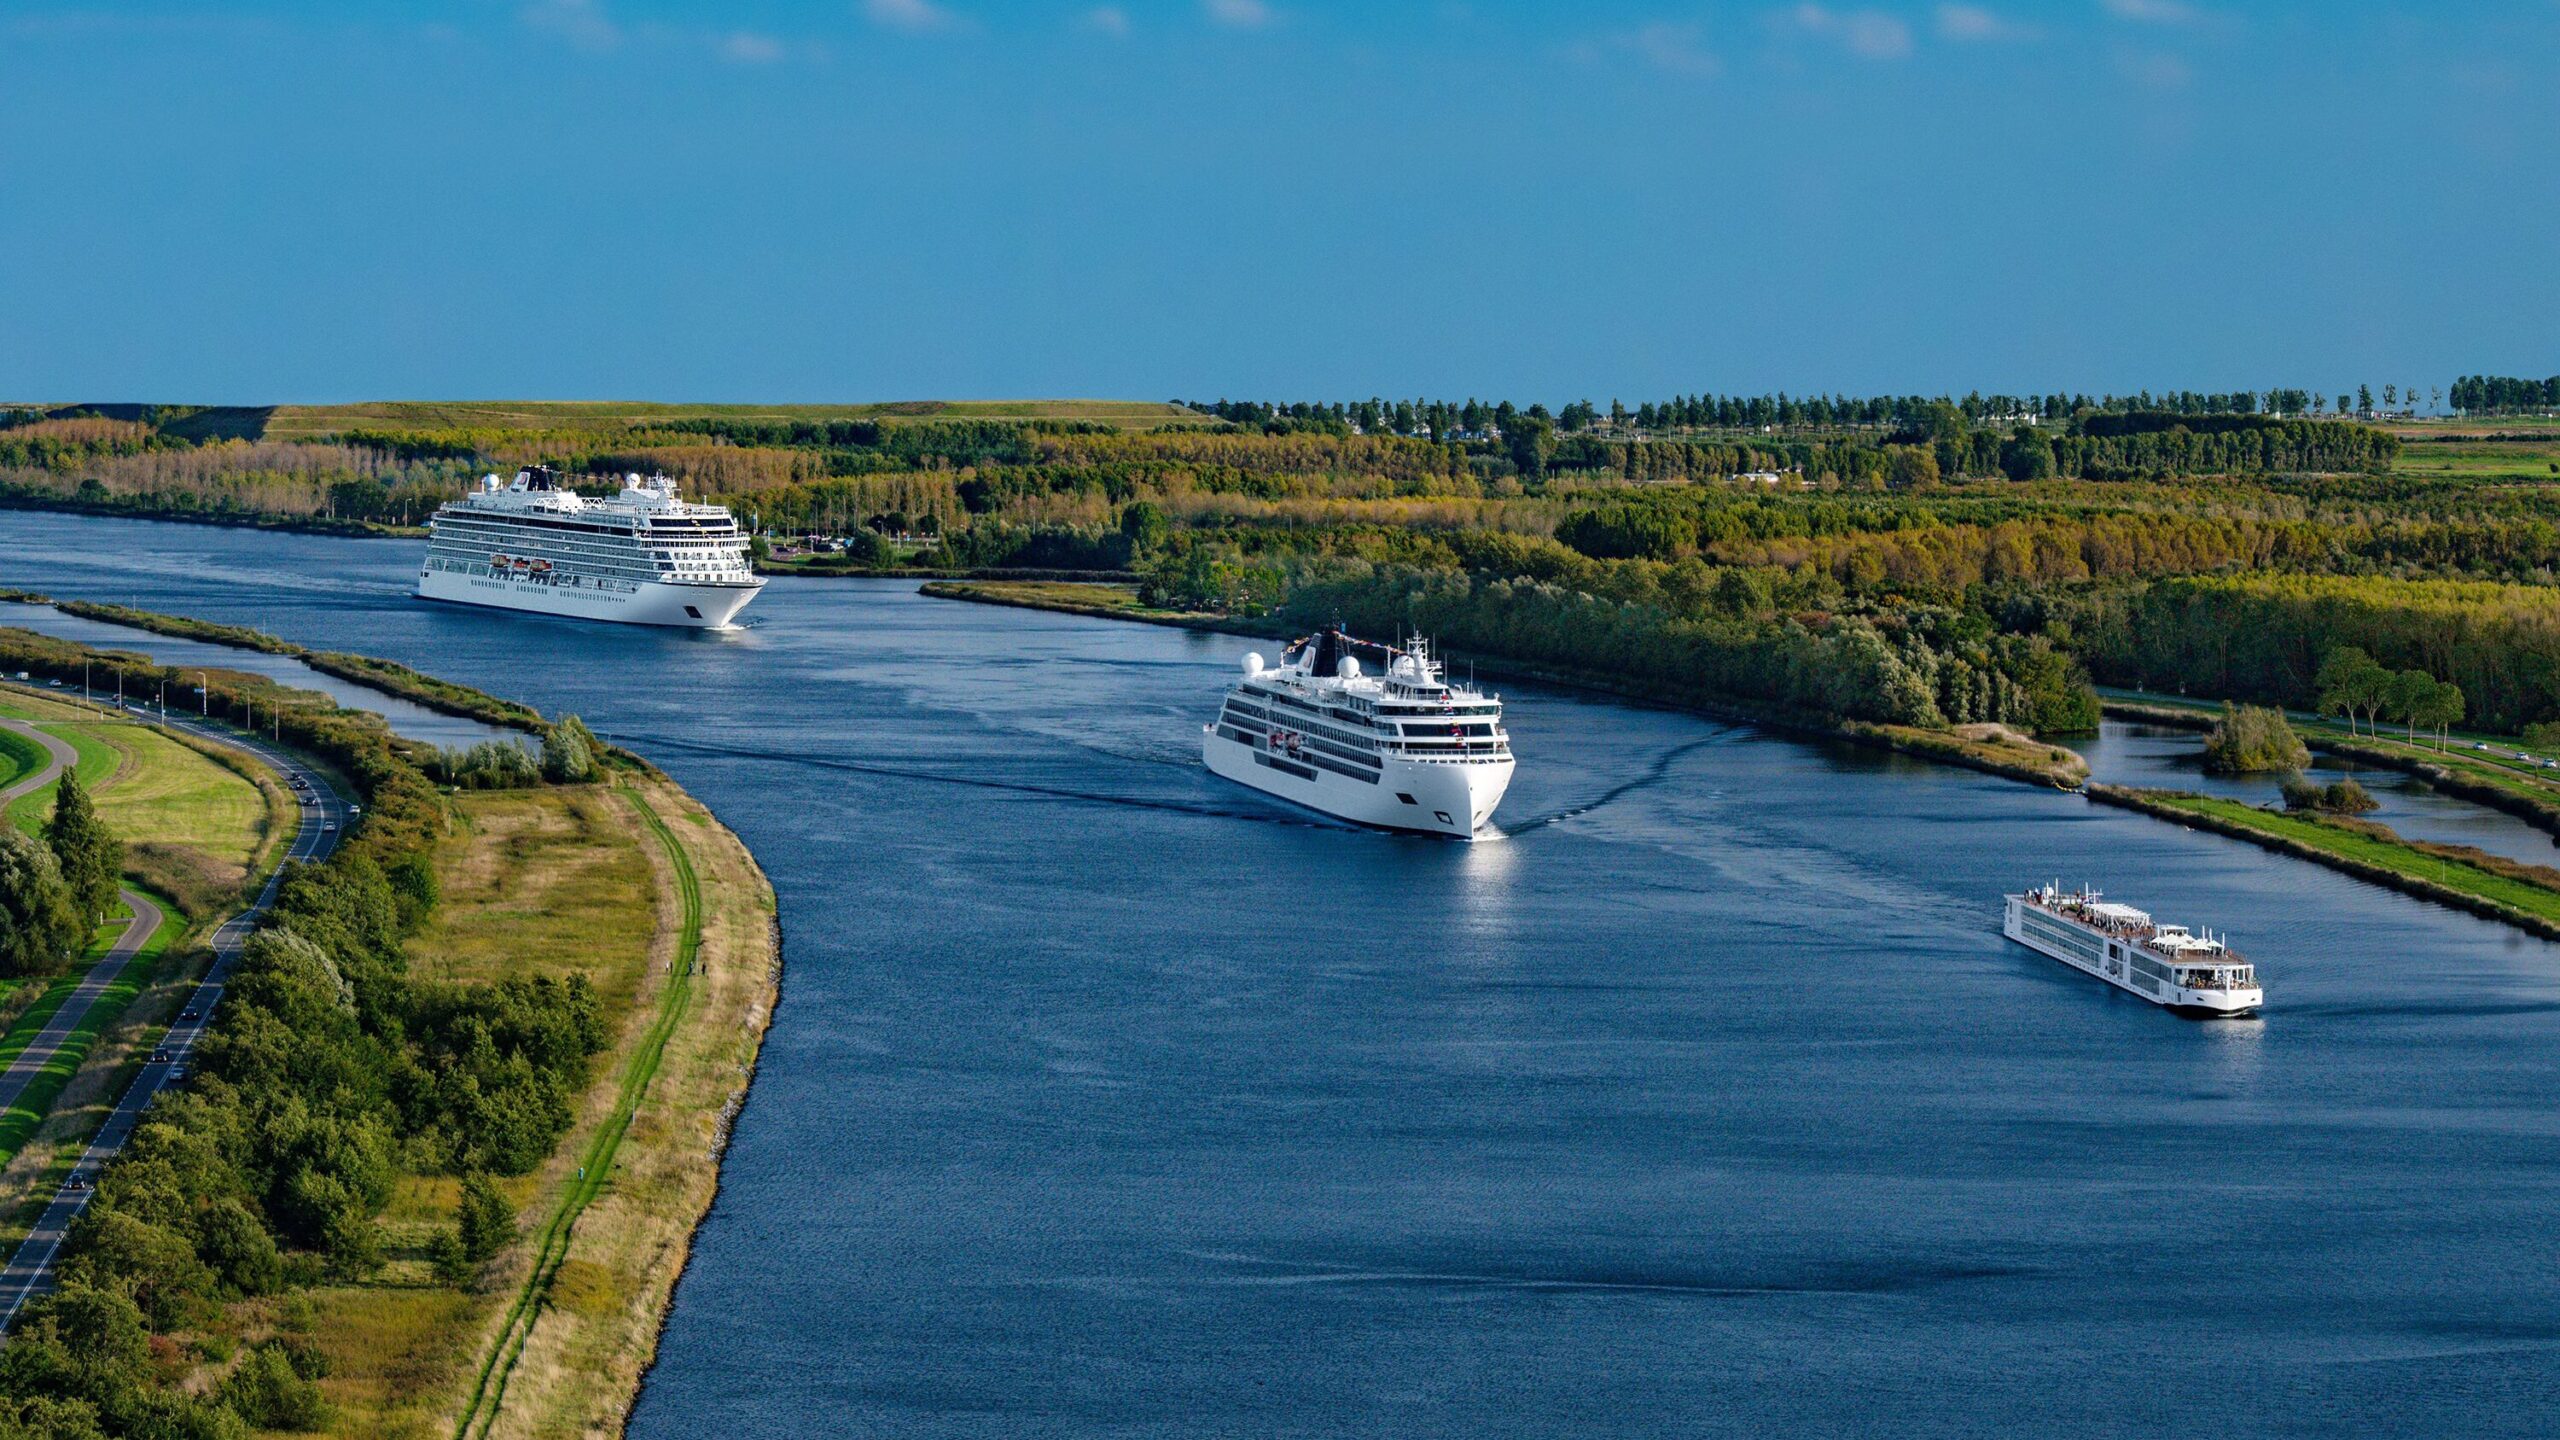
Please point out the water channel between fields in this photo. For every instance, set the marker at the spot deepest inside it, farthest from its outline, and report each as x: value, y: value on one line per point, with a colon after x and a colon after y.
x: 1107, y: 1100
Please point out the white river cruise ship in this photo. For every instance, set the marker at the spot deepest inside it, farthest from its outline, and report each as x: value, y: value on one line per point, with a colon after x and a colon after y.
x: 1403, y: 749
x: 2167, y: 965
x: 643, y: 557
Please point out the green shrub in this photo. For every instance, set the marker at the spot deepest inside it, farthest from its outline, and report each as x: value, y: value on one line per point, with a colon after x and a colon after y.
x: 267, y: 1392
x: 2251, y: 739
x: 2343, y: 797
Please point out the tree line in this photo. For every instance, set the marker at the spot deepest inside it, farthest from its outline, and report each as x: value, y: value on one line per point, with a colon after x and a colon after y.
x: 1445, y: 419
x: 2504, y: 394
x: 2266, y: 637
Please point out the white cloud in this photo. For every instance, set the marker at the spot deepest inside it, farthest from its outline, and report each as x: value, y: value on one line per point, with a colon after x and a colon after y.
x: 2154, y: 12
x: 582, y: 23
x: 2158, y: 71
x: 1107, y: 20
x: 1679, y: 49
x: 1869, y: 34
x: 910, y: 17
x: 1239, y: 14
x: 1973, y: 23
x: 1673, y: 49
x: 749, y: 48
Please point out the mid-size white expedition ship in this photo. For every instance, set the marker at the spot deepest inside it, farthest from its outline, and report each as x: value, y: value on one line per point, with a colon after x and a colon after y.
x: 643, y: 557
x: 1404, y: 749
x: 2167, y: 965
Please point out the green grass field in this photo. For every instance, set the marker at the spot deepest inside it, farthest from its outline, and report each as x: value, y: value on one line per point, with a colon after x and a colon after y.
x: 2482, y: 460
x: 550, y: 882
x: 192, y: 826
x: 18, y: 756
x: 96, y: 768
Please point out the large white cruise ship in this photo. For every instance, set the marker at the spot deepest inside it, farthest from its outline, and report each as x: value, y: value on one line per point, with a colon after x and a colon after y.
x: 1403, y: 749
x: 2168, y: 965
x: 643, y: 556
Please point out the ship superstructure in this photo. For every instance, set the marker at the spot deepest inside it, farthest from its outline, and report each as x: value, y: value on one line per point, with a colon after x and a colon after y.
x: 2168, y: 965
x: 1402, y: 749
x: 642, y: 556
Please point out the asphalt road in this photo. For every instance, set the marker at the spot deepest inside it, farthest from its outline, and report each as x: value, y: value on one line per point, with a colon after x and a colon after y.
x: 75, y: 1007
x: 30, y: 1271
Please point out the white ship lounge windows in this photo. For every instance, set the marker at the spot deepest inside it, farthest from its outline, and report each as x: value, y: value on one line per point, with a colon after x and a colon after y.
x: 1283, y: 766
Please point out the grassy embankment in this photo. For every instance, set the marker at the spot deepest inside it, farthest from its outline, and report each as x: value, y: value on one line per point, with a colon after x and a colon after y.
x: 19, y: 756
x: 196, y: 819
x: 388, y: 676
x: 1988, y: 748
x: 200, y: 826
x: 2525, y: 896
x: 636, y: 887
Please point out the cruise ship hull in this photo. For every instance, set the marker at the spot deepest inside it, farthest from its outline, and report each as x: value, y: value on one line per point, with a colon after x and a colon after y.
x: 1430, y: 797
x: 697, y: 607
x: 2112, y: 961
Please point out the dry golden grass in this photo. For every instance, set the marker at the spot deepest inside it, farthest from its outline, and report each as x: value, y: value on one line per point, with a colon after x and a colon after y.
x: 582, y: 1364
x: 392, y: 1352
x: 559, y: 882
x: 544, y: 882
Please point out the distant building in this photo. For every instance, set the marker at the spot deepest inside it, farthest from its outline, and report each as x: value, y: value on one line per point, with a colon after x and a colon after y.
x: 1758, y: 477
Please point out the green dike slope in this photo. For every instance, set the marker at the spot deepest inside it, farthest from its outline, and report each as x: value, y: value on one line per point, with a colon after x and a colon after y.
x: 2527, y: 897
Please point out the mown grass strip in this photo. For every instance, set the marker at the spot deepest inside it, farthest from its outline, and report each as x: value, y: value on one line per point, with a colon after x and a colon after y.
x: 99, y: 762
x: 2392, y: 862
x: 18, y: 1123
x: 18, y: 756
x: 551, y: 1245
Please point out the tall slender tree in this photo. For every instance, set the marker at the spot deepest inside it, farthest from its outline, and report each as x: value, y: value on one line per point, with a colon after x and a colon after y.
x: 40, y: 927
x: 88, y: 852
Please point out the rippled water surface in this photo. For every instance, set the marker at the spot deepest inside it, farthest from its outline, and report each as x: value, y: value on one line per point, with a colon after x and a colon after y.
x: 1105, y: 1099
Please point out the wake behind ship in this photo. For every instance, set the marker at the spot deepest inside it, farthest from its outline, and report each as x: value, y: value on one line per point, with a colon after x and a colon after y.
x: 1403, y: 750
x: 642, y: 557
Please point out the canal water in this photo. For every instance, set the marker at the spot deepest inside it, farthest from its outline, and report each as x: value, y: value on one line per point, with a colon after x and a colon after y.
x: 405, y: 717
x: 1105, y: 1099
x: 2167, y: 757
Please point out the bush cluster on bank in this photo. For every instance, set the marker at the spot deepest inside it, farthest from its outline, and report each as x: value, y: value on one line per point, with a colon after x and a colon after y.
x: 2250, y: 739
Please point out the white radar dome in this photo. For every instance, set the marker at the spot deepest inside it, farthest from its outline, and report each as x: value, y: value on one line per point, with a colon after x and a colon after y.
x: 1253, y: 663
x: 1349, y: 669
x: 1406, y: 665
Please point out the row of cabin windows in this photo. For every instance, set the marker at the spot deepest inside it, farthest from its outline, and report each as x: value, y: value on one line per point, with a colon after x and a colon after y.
x: 1296, y: 765
x: 2077, y: 942
x: 1434, y: 736
x: 552, y: 546
x: 1316, y: 738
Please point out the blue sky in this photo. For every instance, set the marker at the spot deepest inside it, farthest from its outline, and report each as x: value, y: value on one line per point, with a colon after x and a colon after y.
x: 884, y: 199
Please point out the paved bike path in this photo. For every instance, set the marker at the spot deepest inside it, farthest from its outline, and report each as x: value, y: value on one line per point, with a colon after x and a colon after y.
x: 58, y: 756
x: 30, y: 1271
